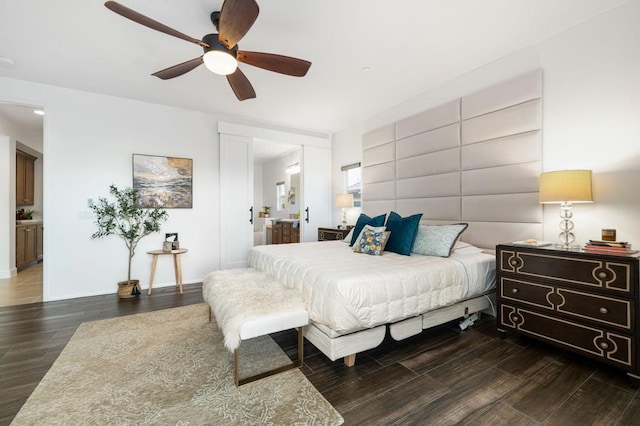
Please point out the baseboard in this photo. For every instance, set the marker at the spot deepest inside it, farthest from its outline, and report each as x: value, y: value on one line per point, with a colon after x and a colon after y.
x: 8, y: 273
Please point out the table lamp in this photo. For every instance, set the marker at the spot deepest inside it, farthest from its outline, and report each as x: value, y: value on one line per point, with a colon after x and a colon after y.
x: 566, y: 187
x: 344, y: 202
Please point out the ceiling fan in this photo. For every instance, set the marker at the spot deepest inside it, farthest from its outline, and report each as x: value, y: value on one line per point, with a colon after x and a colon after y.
x: 221, y: 53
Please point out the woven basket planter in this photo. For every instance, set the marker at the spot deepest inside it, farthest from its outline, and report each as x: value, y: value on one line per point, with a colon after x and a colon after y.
x: 128, y: 289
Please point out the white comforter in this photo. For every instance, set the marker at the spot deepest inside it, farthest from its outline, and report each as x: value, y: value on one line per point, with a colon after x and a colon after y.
x: 349, y: 291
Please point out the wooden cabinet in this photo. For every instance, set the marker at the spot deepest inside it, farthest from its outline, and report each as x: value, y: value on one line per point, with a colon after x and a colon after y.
x: 585, y: 303
x: 332, y: 234
x: 26, y: 244
x: 25, y: 171
x: 285, y: 232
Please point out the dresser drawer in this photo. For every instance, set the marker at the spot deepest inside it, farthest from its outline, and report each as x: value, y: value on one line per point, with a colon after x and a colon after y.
x: 615, y: 348
x: 589, y: 271
x: 330, y: 234
x: 611, y: 311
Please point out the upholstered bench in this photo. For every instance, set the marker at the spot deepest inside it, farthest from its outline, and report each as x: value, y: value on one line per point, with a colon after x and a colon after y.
x: 248, y: 303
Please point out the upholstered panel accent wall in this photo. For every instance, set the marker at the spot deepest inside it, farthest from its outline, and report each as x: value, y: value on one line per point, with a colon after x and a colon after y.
x: 476, y: 159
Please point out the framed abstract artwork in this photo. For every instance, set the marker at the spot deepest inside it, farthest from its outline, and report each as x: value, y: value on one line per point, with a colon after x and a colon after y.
x: 163, y: 181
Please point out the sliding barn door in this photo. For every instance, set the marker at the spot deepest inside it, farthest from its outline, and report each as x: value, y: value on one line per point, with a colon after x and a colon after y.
x: 316, y: 191
x: 236, y: 200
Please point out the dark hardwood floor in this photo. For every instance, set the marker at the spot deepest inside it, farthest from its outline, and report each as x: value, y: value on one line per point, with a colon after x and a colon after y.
x: 442, y: 376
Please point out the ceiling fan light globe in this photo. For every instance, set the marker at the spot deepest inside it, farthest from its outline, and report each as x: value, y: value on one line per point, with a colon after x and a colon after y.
x: 220, y: 62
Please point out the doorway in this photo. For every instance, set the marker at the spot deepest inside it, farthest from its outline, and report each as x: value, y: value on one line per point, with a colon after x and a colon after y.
x: 276, y: 186
x: 22, y: 283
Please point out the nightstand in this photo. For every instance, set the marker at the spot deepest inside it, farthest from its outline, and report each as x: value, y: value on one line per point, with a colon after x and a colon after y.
x: 332, y: 234
x: 585, y: 303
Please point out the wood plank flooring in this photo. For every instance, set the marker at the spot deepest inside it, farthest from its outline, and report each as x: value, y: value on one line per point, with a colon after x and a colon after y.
x: 442, y: 376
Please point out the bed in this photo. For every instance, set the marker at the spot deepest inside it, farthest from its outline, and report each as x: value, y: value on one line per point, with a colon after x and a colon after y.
x: 352, y: 298
x: 473, y: 160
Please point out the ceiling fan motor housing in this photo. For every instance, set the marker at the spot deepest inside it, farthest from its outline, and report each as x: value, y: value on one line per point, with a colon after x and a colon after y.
x: 214, y: 44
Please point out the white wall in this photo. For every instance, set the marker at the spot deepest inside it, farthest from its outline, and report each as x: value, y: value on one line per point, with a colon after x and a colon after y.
x: 591, y: 110
x: 8, y: 204
x: 349, y: 152
x: 88, y: 143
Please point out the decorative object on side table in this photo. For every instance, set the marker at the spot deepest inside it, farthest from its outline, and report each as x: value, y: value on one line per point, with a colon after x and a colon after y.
x: 344, y: 202
x: 126, y: 219
x: 616, y: 248
x: 566, y: 187
x: 172, y: 237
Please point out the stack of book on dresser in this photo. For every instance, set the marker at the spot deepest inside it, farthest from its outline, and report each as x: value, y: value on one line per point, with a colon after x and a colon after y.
x: 620, y: 248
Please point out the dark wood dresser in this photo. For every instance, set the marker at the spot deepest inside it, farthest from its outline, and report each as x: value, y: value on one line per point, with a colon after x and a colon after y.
x: 285, y: 232
x: 583, y: 302
x: 333, y: 234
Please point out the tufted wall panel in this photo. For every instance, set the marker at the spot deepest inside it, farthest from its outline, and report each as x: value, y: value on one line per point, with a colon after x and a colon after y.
x: 476, y: 159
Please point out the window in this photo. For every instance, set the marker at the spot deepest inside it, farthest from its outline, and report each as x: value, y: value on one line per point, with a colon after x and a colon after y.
x: 352, y: 174
x: 280, y: 196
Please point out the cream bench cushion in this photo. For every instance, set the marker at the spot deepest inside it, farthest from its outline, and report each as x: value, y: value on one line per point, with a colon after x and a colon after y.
x: 248, y: 303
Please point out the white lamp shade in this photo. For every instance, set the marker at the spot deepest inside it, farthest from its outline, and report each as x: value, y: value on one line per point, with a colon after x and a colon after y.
x: 565, y: 186
x: 344, y: 201
x: 220, y: 62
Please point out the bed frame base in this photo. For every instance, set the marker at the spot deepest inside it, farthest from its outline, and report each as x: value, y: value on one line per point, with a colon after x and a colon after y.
x: 348, y: 345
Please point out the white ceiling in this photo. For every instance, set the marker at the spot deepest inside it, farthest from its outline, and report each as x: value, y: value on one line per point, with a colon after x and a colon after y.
x: 409, y: 46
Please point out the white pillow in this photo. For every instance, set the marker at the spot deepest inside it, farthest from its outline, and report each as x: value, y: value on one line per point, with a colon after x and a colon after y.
x: 347, y: 239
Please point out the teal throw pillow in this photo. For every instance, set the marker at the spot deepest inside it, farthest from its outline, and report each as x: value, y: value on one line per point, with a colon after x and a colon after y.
x: 403, y: 232
x: 437, y: 240
x: 363, y: 220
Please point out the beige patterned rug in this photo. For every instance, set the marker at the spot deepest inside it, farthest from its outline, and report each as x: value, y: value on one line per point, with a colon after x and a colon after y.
x: 169, y: 367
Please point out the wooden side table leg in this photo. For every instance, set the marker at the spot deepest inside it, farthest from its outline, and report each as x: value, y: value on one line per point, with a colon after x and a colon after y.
x: 153, y: 272
x: 178, y: 269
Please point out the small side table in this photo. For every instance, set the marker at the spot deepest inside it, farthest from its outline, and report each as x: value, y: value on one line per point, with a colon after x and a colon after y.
x: 177, y: 268
x: 332, y: 234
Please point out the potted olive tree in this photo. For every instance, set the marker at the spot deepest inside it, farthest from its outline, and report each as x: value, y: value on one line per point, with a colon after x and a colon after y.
x: 124, y: 218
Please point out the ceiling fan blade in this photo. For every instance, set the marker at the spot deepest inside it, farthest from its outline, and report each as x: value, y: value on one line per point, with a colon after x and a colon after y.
x: 178, y: 70
x: 148, y: 22
x: 241, y: 85
x: 277, y: 63
x: 236, y: 17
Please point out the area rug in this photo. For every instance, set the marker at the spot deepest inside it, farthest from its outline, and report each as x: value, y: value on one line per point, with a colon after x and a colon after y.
x: 169, y: 367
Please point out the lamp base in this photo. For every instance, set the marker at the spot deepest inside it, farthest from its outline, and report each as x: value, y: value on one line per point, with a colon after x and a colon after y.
x: 566, y: 225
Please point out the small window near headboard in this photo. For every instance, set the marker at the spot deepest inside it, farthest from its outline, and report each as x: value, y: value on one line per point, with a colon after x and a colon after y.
x: 352, y: 176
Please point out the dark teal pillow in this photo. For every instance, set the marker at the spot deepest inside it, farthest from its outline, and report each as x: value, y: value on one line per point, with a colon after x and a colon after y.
x: 403, y: 232
x: 363, y: 220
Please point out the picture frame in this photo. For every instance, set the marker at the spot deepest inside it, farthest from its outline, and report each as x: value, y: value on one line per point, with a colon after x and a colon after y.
x: 163, y: 181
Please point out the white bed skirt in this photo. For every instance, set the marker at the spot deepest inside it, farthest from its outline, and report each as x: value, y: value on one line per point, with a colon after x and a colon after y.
x: 341, y: 346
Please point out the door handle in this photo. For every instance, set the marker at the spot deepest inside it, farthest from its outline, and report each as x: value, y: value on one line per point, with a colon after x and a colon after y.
x: 306, y: 211
x: 251, y: 215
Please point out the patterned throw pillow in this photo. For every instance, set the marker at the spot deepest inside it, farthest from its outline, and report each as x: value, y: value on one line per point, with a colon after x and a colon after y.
x: 363, y: 220
x: 437, y: 240
x: 372, y: 242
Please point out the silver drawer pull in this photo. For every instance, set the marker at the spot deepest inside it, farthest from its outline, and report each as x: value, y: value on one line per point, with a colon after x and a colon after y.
x: 604, y: 310
x: 602, y: 275
x: 514, y: 290
x: 514, y: 261
x: 604, y: 345
x: 514, y: 318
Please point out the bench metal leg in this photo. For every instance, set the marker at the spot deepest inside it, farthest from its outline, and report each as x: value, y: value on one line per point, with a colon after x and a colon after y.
x: 297, y: 364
